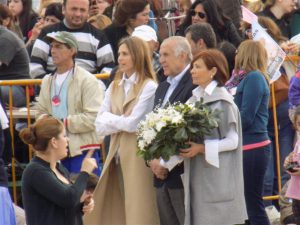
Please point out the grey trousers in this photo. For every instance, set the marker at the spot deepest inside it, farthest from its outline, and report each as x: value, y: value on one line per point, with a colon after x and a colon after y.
x: 170, y: 204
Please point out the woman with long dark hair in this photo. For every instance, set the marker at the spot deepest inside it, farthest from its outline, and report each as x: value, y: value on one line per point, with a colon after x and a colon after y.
x: 8, y: 20
x: 24, y: 15
x: 209, y: 11
x: 128, y: 15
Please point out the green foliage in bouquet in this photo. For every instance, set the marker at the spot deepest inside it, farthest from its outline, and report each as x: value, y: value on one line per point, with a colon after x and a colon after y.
x: 166, y: 130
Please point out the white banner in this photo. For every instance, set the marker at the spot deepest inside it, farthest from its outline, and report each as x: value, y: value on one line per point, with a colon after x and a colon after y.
x: 276, y: 55
x: 248, y: 16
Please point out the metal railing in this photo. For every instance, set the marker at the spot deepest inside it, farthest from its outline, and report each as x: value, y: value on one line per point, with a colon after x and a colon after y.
x: 11, y: 113
x: 294, y: 59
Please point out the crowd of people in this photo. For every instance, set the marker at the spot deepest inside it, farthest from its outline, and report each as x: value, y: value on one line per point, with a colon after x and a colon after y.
x: 212, y: 57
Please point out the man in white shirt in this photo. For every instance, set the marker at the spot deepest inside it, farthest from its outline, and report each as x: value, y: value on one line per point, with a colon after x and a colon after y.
x: 175, y: 58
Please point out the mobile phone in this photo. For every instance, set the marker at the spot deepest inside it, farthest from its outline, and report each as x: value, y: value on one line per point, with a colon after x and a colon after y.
x: 291, y: 167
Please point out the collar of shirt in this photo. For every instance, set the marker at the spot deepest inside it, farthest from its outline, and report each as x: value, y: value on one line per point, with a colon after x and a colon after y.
x: 199, y: 92
x: 155, y: 62
x: 128, y: 82
x: 174, y: 80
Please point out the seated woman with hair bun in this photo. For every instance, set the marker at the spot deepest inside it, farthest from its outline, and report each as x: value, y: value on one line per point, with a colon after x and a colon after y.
x: 48, y: 195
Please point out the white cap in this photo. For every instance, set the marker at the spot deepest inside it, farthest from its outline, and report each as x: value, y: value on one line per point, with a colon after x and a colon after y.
x: 145, y: 33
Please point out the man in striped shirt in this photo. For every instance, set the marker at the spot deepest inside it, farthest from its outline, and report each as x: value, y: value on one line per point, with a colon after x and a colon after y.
x: 94, y: 53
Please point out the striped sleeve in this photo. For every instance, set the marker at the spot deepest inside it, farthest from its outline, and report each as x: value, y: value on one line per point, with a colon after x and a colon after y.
x: 105, y: 56
x: 39, y: 56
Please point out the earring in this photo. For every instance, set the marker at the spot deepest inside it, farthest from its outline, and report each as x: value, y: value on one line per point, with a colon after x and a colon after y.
x: 211, y: 76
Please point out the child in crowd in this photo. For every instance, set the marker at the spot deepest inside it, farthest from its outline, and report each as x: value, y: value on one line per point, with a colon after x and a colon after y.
x: 90, y: 186
x: 292, y: 163
x: 286, y: 209
x: 294, y: 93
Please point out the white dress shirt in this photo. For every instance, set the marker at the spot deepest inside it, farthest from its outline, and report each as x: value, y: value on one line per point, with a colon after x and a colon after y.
x: 214, y: 146
x: 3, y: 119
x: 174, y: 81
x: 108, y: 123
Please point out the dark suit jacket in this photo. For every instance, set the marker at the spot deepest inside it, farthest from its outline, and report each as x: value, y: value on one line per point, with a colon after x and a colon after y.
x: 182, y: 93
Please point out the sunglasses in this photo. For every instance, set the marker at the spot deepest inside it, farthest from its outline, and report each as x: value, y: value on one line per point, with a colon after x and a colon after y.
x: 200, y: 14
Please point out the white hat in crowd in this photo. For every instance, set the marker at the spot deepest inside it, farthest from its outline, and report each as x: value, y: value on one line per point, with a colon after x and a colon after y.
x: 145, y: 33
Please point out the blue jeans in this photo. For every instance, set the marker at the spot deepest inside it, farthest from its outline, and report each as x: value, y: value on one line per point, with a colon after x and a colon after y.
x: 286, y: 135
x: 19, y: 96
x: 255, y: 165
x: 73, y: 164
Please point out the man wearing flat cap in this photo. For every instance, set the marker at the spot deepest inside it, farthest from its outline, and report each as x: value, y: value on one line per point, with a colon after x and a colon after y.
x: 94, y: 51
x: 73, y: 95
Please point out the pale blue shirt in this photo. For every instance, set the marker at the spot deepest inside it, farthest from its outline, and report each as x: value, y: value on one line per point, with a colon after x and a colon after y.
x: 174, y: 81
x: 60, y: 111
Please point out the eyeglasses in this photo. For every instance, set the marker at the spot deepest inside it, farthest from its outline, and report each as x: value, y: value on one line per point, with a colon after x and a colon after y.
x: 200, y: 14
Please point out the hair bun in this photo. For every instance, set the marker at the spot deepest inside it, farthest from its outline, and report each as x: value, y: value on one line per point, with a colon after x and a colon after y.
x: 28, y: 135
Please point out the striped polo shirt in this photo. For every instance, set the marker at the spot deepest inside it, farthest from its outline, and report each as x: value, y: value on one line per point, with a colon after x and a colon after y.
x: 94, y: 51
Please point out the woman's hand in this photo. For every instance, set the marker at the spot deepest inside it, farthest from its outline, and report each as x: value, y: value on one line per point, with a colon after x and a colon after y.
x: 88, y: 205
x: 290, y: 47
x: 192, y: 151
x: 89, y: 164
x: 288, y: 160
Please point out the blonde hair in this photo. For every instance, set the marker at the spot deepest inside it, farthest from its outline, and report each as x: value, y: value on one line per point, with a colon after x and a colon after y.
x: 272, y: 28
x: 269, y: 3
x: 44, y: 4
x: 252, y: 55
x: 141, y: 58
x: 254, y: 6
x: 100, y: 21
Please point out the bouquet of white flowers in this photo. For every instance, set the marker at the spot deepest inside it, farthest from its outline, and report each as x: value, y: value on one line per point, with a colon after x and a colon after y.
x: 166, y: 130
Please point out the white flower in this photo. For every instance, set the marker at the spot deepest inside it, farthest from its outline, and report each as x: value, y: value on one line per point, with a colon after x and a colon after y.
x: 159, y: 125
x: 141, y: 144
x: 177, y: 119
x: 149, y: 136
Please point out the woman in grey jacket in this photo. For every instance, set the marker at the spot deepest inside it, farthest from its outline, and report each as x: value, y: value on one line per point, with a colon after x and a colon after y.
x: 213, y: 172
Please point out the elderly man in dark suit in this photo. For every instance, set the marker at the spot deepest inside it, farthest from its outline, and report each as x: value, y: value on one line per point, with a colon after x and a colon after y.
x: 175, y: 58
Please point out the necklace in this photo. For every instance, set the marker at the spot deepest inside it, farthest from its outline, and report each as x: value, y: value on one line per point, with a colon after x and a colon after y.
x: 56, y: 99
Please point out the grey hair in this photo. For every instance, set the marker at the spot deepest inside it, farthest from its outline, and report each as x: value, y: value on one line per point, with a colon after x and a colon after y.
x: 181, y: 46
